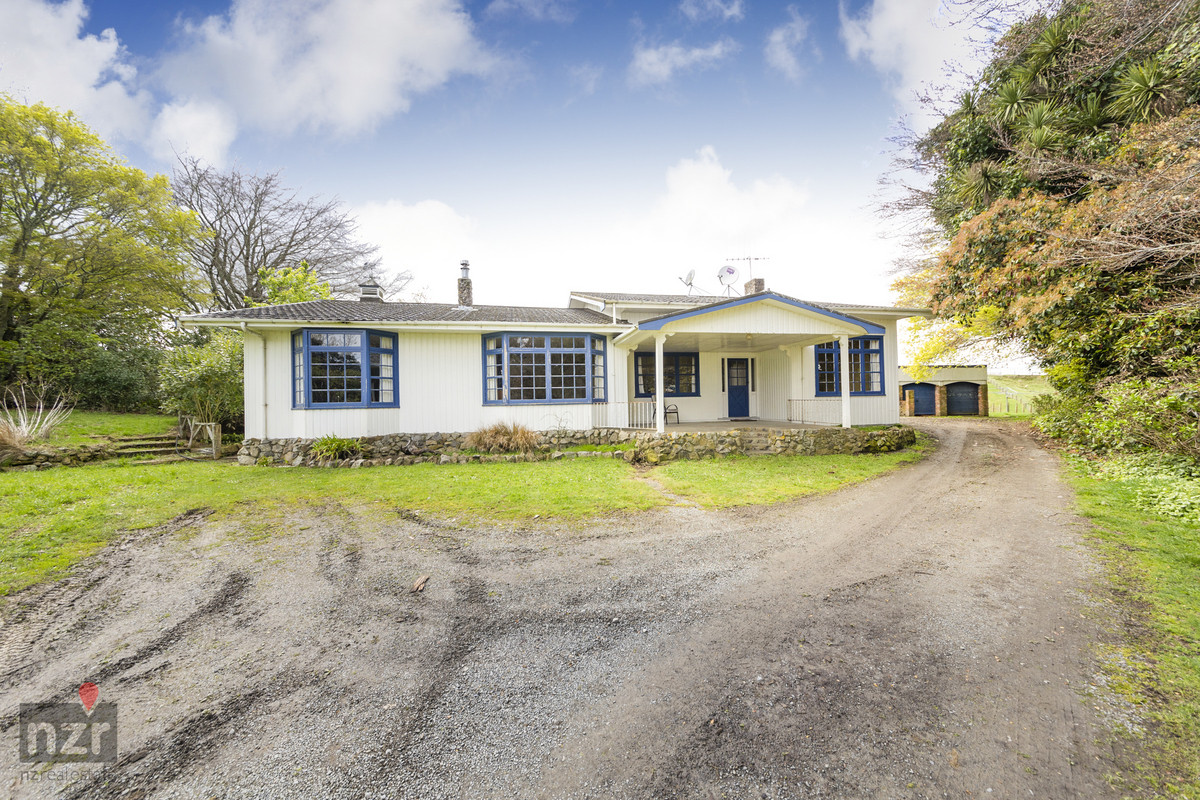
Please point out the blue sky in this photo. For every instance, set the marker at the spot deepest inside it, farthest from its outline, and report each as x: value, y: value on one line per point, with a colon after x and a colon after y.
x: 557, y: 144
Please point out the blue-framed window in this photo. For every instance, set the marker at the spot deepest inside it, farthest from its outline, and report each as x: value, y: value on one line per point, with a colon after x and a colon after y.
x: 866, y: 367
x: 544, y: 368
x: 681, y: 374
x: 343, y: 369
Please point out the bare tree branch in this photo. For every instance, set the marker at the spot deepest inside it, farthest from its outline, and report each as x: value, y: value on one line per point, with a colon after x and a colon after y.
x: 255, y: 223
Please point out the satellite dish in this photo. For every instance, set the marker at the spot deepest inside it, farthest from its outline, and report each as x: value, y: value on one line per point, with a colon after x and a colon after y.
x: 727, y: 275
x: 687, y: 281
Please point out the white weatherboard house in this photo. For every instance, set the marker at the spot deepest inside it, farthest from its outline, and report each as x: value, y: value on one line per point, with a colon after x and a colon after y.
x: 367, y: 367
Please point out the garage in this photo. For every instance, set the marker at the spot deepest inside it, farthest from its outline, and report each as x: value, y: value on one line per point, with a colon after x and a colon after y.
x: 962, y: 399
x: 958, y: 390
x: 924, y: 402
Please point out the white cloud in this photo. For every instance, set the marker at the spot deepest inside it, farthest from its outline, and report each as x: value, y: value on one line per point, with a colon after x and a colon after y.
x: 538, y: 10
x: 427, y: 238
x: 706, y: 216
x: 697, y: 10
x: 909, y: 41
x: 922, y: 42
x: 43, y: 58
x: 654, y: 66
x: 782, y: 42
x: 585, y: 79
x: 700, y: 216
x: 336, y: 65
x: 201, y: 129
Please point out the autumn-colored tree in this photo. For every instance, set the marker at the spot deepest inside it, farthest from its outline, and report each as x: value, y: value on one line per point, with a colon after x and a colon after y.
x: 1065, y: 186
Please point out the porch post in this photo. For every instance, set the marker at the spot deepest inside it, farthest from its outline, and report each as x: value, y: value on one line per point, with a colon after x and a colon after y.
x: 844, y: 360
x: 660, y: 417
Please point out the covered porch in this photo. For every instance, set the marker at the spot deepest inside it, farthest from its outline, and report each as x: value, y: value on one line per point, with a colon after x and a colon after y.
x: 743, y: 361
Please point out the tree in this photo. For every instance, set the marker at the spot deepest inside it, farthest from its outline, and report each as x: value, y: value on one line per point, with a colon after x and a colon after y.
x: 292, y: 285
x: 256, y: 225
x: 1065, y: 184
x: 87, y: 245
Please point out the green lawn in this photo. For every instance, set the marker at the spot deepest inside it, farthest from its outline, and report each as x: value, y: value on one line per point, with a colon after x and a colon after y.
x: 1154, y: 563
x: 52, y: 518
x: 81, y: 427
x: 740, y: 481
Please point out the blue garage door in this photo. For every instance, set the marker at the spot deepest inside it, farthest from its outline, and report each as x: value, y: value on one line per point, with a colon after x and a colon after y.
x: 962, y: 399
x: 924, y: 402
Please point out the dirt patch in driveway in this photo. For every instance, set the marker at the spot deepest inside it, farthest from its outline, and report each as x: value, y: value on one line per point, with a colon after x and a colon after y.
x: 925, y: 634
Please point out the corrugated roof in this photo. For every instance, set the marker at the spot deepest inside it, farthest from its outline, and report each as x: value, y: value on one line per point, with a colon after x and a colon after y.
x: 360, y: 311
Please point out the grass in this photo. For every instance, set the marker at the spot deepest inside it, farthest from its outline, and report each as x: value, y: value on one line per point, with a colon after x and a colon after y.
x: 1010, y: 395
x: 1154, y: 565
x: 740, y: 481
x: 82, y: 426
x: 53, y: 518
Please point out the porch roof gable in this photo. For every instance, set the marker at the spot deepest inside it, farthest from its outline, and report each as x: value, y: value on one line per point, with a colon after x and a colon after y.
x: 659, y: 322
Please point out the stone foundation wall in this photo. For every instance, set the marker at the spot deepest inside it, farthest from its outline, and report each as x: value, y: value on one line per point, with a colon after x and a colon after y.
x: 810, y: 442
x: 419, y: 448
x: 649, y: 447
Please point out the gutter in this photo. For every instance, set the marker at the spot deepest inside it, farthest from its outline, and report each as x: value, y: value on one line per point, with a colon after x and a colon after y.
x: 400, y: 326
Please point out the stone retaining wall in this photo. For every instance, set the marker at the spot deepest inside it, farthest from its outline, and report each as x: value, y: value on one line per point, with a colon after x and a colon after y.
x: 648, y: 446
x: 653, y: 448
x: 46, y: 457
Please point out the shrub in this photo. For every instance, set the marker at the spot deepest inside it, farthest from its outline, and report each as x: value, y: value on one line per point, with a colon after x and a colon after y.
x: 504, y: 437
x: 1160, y: 414
x: 205, y: 381
x: 114, y: 381
x: 335, y: 448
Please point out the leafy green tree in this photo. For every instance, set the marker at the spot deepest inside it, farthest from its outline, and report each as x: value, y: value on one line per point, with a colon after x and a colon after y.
x: 291, y: 285
x: 87, y: 244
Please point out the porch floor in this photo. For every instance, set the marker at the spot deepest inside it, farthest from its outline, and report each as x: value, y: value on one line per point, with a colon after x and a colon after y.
x: 734, y: 425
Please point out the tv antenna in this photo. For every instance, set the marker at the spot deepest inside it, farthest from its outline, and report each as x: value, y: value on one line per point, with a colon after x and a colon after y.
x: 728, y: 276
x: 750, y: 261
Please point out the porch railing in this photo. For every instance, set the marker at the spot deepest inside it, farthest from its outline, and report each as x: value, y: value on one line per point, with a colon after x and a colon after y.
x: 635, y: 414
x: 817, y: 411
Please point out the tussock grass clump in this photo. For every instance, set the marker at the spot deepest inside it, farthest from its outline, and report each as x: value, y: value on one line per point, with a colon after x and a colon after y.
x: 504, y: 436
x: 29, y: 414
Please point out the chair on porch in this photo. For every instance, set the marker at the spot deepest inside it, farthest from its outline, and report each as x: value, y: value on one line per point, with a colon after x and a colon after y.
x: 668, y: 410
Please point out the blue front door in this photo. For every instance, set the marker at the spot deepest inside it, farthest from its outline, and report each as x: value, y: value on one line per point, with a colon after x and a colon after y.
x: 739, y: 387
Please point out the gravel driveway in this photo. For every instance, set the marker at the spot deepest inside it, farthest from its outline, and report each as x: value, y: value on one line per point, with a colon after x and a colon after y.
x: 925, y: 634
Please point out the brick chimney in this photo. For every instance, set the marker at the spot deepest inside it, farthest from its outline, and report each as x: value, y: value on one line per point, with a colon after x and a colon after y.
x: 755, y: 285
x: 464, y: 285
x: 370, y: 292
